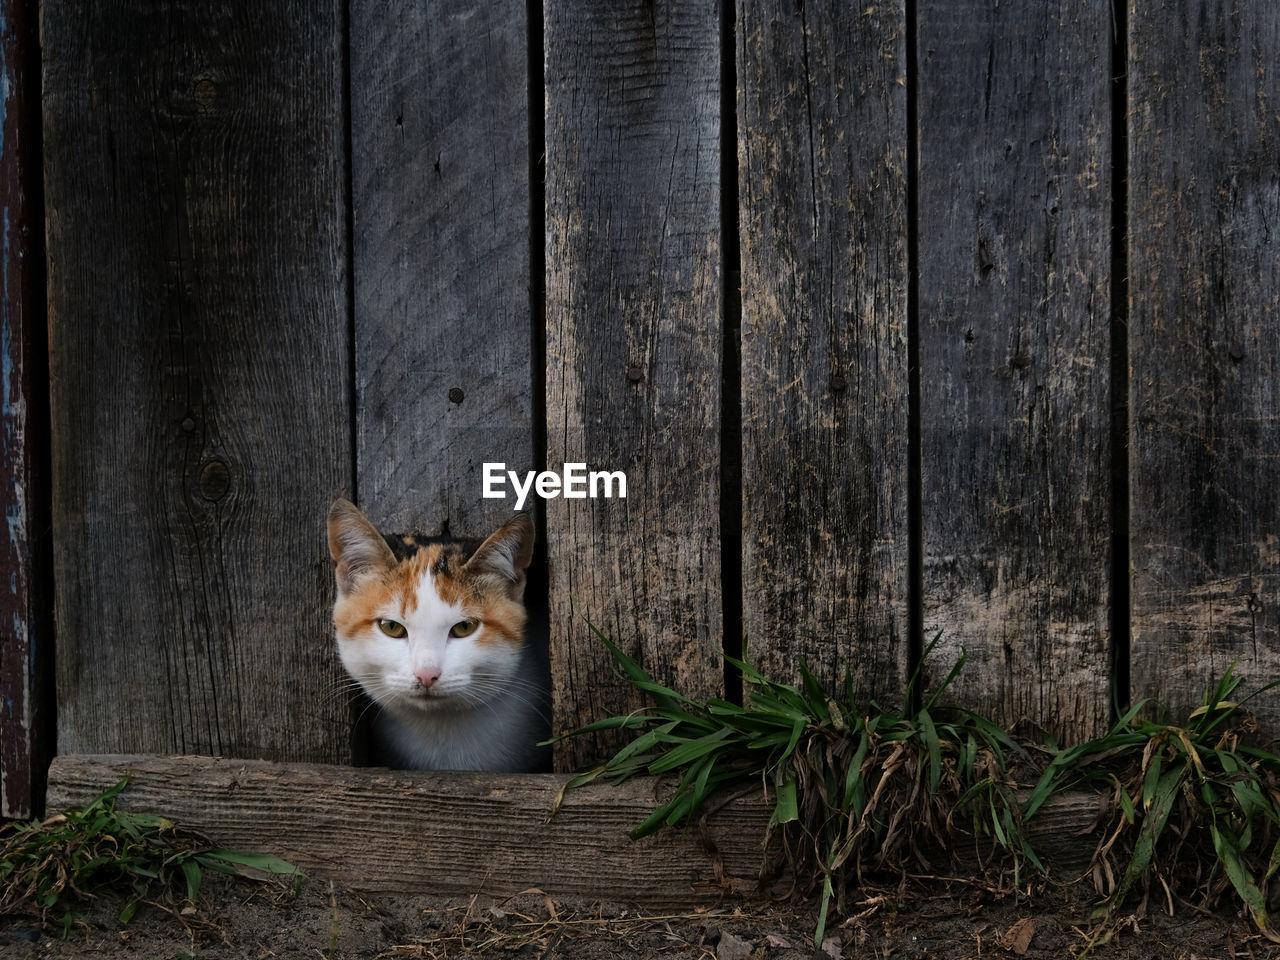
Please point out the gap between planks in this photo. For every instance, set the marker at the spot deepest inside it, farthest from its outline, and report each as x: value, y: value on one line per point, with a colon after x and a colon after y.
x: 457, y: 834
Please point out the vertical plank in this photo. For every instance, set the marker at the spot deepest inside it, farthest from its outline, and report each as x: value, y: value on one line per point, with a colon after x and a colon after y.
x: 25, y: 635
x: 1014, y: 252
x: 200, y: 396
x: 1204, y: 348
x: 633, y: 346
x: 822, y: 158
x: 440, y: 174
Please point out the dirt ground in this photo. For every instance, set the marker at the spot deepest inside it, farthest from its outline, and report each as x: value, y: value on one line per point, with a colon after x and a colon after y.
x: 249, y: 921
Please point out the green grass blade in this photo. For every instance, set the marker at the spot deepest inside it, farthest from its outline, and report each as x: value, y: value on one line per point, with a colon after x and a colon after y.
x: 105, y: 798
x: 654, y: 821
x: 192, y: 874
x: 820, y: 931
x: 1274, y: 863
x: 1156, y: 816
x: 630, y: 721
x: 855, y: 784
x: 814, y: 694
x: 786, y: 809
x: 776, y: 739
x: 955, y: 672
x: 913, y: 682
x: 797, y: 731
x: 690, y: 751
x: 930, y: 734
x: 1229, y: 855
x: 237, y: 861
x: 749, y: 673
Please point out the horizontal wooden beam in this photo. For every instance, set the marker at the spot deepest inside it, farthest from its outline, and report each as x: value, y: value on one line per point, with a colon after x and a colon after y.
x: 381, y: 831
x: 378, y: 830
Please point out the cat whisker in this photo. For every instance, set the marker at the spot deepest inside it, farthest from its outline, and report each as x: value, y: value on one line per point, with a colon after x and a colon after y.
x: 511, y: 685
x: 476, y: 695
x: 369, y: 706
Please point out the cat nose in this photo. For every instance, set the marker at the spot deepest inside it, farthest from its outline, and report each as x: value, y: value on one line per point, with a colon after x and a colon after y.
x: 427, y: 676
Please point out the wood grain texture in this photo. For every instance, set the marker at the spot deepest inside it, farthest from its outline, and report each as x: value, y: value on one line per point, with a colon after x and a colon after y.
x: 1204, y: 348
x: 633, y: 347
x: 200, y: 387
x: 26, y: 637
x: 1014, y: 341
x: 436, y: 833
x: 379, y: 831
x: 440, y: 174
x: 822, y: 167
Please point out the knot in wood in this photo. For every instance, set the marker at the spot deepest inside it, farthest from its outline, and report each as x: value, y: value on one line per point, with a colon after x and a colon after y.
x: 206, y: 92
x: 215, y: 480
x: 635, y: 374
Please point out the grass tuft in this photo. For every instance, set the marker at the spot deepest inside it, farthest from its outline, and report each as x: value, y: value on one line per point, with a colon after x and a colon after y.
x: 48, y: 867
x: 859, y: 789
x: 853, y: 790
x: 1194, y: 801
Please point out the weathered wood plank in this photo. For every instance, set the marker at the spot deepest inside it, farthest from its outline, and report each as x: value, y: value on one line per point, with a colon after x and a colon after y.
x: 25, y: 634
x: 440, y: 174
x: 633, y: 347
x: 460, y: 834
x: 200, y: 387
x: 1204, y: 347
x: 441, y: 833
x: 822, y: 144
x: 1014, y: 241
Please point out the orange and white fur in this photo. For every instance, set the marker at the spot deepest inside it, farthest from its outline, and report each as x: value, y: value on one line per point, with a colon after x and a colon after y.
x: 436, y: 639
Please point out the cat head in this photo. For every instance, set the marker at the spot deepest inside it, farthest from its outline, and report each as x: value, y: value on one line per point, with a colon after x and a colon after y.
x: 434, y: 628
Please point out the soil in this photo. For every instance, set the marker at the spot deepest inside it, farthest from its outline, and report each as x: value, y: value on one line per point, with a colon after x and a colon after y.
x: 250, y: 921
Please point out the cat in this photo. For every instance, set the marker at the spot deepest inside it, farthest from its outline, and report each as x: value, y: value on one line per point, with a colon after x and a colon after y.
x: 435, y: 637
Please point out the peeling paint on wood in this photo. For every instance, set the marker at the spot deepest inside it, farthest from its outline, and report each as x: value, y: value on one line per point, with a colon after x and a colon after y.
x: 25, y: 634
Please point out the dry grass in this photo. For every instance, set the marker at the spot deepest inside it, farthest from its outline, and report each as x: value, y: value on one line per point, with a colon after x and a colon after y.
x: 532, y: 924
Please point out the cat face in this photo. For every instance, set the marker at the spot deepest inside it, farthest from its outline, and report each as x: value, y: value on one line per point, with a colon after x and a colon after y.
x: 433, y: 630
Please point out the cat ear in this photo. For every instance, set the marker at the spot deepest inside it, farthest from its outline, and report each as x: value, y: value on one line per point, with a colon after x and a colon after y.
x: 506, y: 554
x: 357, y: 548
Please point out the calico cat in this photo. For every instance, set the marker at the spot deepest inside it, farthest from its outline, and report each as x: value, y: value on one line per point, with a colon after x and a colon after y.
x: 436, y: 638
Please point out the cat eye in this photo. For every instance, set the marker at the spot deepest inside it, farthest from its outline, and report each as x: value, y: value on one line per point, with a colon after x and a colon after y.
x: 464, y: 628
x: 393, y: 629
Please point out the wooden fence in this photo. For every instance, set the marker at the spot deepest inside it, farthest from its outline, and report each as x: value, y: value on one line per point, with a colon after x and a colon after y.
x: 901, y: 318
